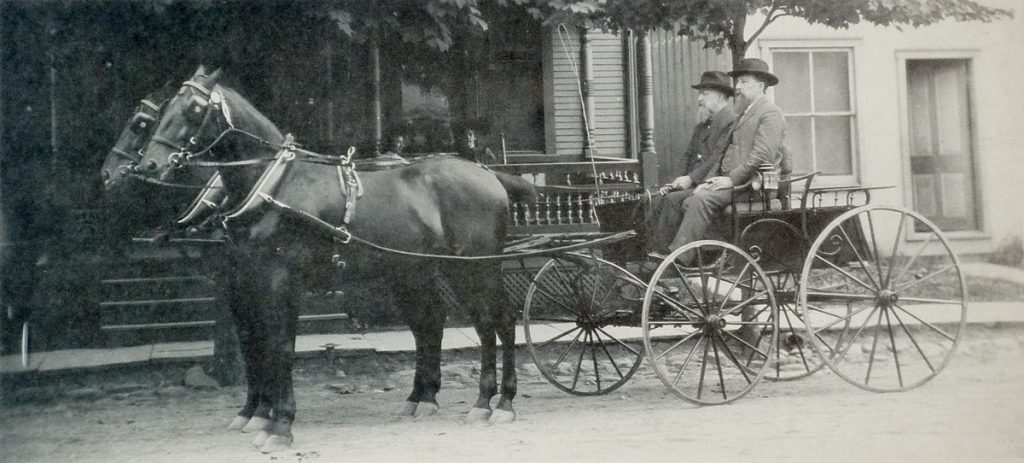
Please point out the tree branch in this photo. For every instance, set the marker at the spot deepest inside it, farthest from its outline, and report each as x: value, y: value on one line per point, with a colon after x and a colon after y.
x: 768, y: 19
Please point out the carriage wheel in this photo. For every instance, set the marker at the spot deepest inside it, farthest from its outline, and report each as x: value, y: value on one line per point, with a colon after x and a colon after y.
x: 710, y: 330
x: 581, y: 320
x: 794, y: 356
x: 886, y: 315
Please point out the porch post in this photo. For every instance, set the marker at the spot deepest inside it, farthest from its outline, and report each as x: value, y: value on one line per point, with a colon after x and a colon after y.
x: 648, y: 156
x: 378, y: 112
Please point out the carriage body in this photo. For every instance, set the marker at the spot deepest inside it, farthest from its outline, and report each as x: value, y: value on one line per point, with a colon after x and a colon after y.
x: 795, y: 277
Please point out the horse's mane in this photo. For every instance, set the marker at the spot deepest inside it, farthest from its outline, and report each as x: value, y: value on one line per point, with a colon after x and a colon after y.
x: 252, y: 115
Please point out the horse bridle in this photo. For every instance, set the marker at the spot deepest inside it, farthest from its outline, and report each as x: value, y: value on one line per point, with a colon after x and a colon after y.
x: 208, y: 100
x: 139, y: 119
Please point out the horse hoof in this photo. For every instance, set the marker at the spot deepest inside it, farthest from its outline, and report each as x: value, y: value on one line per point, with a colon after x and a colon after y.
x: 500, y: 416
x: 425, y: 409
x: 260, y: 439
x: 477, y: 415
x: 276, y: 444
x: 408, y: 409
x: 256, y: 424
x: 238, y: 423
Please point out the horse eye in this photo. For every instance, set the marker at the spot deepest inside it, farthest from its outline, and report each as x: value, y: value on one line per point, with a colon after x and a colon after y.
x: 141, y: 123
x: 195, y: 109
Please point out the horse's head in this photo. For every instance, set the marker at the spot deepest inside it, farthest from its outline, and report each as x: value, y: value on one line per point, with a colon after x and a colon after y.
x: 191, y: 122
x: 126, y: 153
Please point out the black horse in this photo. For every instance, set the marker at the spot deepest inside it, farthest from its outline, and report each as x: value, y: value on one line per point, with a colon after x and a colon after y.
x: 291, y: 226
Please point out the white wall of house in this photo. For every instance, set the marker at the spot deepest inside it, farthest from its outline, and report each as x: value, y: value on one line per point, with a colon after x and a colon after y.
x: 987, y: 57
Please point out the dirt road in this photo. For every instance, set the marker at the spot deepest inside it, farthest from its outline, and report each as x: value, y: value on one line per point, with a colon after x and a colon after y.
x: 970, y: 412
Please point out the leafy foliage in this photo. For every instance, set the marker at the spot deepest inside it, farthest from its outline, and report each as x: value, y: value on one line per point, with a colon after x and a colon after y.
x: 722, y: 23
x: 434, y: 23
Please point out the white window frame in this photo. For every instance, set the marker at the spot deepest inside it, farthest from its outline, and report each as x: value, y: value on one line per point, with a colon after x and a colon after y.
x: 971, y: 56
x: 852, y: 47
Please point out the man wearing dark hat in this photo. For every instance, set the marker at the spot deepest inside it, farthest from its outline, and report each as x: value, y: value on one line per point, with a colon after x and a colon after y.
x: 756, y: 139
x: 704, y: 153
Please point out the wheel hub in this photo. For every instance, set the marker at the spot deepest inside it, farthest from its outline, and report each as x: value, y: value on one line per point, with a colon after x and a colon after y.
x: 887, y: 298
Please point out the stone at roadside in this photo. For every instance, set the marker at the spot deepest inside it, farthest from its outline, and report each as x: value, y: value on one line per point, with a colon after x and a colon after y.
x: 84, y: 393
x: 530, y: 370
x: 171, y: 391
x: 121, y: 388
x: 340, y: 388
x: 33, y: 394
x: 195, y: 377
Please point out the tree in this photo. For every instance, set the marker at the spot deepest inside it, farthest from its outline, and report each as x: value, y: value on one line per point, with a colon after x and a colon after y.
x: 723, y: 23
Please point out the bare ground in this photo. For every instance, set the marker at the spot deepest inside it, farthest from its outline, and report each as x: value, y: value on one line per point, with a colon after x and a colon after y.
x: 970, y: 412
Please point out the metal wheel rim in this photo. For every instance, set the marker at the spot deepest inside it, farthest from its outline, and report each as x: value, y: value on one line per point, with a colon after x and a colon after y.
x: 835, y: 363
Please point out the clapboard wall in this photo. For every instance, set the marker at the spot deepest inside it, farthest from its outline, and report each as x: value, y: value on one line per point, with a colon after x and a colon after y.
x: 677, y: 64
x: 563, y: 69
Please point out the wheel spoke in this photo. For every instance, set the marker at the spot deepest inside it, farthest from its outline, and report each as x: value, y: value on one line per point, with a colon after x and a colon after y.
x: 845, y: 273
x: 855, y: 335
x: 678, y: 306
x: 683, y: 280
x: 686, y: 362
x: 703, y: 278
x: 917, y: 254
x: 674, y: 346
x: 874, y: 247
x: 718, y: 366
x: 912, y: 340
x: 703, y: 368
x: 925, y: 278
x: 552, y: 298
x: 745, y: 302
x: 753, y: 349
x: 732, y: 288
x: 847, y: 317
x: 619, y: 342
x: 799, y: 347
x: 929, y: 325
x: 874, y: 346
x: 593, y: 359
x: 895, y: 249
x: 609, y: 355
x: 860, y: 259
x: 579, y: 362
x: 565, y: 353
x: 732, y: 357
x: 895, y: 353
x: 819, y: 309
x: 931, y: 301
x: 560, y: 336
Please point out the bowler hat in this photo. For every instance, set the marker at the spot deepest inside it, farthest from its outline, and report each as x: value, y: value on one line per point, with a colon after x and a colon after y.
x: 715, y: 80
x: 755, y: 67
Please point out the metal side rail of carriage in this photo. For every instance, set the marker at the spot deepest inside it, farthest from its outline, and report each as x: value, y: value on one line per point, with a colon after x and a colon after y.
x: 801, y: 278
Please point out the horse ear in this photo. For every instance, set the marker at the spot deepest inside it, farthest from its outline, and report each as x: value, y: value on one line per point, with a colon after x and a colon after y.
x: 201, y: 71
x: 214, y: 78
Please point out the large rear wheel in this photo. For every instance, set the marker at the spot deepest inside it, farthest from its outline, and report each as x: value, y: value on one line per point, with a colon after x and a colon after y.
x: 884, y: 300
x: 581, y: 320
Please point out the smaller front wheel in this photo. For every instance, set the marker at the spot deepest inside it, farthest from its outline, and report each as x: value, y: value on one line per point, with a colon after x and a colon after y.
x: 710, y: 326
x: 581, y: 323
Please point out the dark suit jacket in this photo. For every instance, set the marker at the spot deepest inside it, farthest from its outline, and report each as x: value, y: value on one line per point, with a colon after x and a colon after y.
x: 708, y: 144
x: 757, y: 139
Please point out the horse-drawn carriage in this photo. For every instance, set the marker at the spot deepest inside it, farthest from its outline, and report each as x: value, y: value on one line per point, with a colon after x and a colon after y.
x: 805, y: 277
x: 802, y: 277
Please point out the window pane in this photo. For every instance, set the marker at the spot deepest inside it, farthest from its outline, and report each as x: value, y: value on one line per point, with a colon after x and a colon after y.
x: 792, y: 94
x: 831, y: 81
x: 832, y: 135
x: 798, y: 139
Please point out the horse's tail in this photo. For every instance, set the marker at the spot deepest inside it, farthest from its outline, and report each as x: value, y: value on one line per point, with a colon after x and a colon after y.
x: 518, y: 189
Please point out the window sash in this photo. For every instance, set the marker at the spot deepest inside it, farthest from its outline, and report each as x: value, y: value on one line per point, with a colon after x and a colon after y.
x: 813, y: 114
